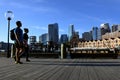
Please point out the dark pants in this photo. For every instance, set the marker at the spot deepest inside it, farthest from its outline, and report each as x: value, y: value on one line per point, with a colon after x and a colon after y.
x: 26, y: 52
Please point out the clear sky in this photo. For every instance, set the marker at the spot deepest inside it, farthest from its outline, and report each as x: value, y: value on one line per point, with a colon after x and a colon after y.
x: 37, y: 14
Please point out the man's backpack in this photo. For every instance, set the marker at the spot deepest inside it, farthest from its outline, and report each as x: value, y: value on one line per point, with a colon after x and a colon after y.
x: 12, y: 34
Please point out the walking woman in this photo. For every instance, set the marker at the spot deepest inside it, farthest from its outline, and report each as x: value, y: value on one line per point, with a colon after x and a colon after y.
x: 25, y: 41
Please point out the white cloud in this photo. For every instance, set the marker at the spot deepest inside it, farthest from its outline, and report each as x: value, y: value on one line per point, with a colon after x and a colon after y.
x: 44, y: 28
x: 40, y: 28
x: 42, y: 9
x: 19, y: 5
x: 39, y: 1
x: 33, y: 6
x: 36, y: 6
x: 95, y: 18
x: 61, y: 30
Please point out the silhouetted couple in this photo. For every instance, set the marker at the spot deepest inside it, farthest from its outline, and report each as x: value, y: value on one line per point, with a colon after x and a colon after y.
x: 21, y: 42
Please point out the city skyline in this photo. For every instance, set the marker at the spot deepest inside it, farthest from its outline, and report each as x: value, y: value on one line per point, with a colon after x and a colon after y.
x: 37, y: 14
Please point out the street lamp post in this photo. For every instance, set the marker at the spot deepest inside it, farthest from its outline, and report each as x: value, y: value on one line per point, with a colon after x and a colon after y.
x: 9, y: 15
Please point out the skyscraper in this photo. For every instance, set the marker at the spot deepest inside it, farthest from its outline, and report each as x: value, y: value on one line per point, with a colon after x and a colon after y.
x: 70, y: 31
x: 32, y: 39
x: 44, y: 38
x: 87, y: 36
x: 99, y: 37
x: 63, y: 38
x: 53, y: 34
x: 94, y: 33
x: 114, y: 28
x: 118, y: 27
x: 105, y: 28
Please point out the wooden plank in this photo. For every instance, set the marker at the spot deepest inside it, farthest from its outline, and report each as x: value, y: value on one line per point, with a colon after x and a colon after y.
x: 42, y: 72
x: 48, y: 74
x: 58, y: 74
x: 57, y: 69
x: 66, y: 74
x: 110, y: 73
x: 84, y: 73
x: 75, y: 75
x: 91, y: 73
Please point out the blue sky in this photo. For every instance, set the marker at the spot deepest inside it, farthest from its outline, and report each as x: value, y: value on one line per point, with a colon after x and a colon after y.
x: 37, y: 14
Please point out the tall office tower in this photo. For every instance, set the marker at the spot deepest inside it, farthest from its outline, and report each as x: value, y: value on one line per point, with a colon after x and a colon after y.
x: 105, y: 28
x: 53, y: 34
x: 94, y: 33
x: 32, y: 40
x: 87, y: 36
x: 43, y: 38
x: 91, y: 36
x: 76, y: 33
x: 63, y: 38
x: 99, y: 37
x: 70, y: 31
x: 114, y: 28
x: 118, y: 27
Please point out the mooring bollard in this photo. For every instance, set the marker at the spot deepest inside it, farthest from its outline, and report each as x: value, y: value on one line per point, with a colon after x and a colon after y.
x: 62, y: 46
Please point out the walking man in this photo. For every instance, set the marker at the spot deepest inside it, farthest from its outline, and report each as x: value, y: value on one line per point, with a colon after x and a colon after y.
x: 18, y: 41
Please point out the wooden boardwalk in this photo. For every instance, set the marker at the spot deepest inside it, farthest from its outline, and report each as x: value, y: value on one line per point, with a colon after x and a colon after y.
x: 57, y: 69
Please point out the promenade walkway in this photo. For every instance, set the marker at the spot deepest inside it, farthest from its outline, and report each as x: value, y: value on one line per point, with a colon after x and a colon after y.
x: 57, y: 69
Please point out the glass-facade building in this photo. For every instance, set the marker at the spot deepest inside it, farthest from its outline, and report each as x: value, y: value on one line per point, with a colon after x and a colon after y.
x: 105, y: 28
x: 63, y: 38
x: 44, y: 38
x: 53, y: 34
x: 32, y: 39
x: 70, y: 31
x: 87, y: 36
x: 114, y: 28
x: 99, y: 37
x: 94, y: 33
